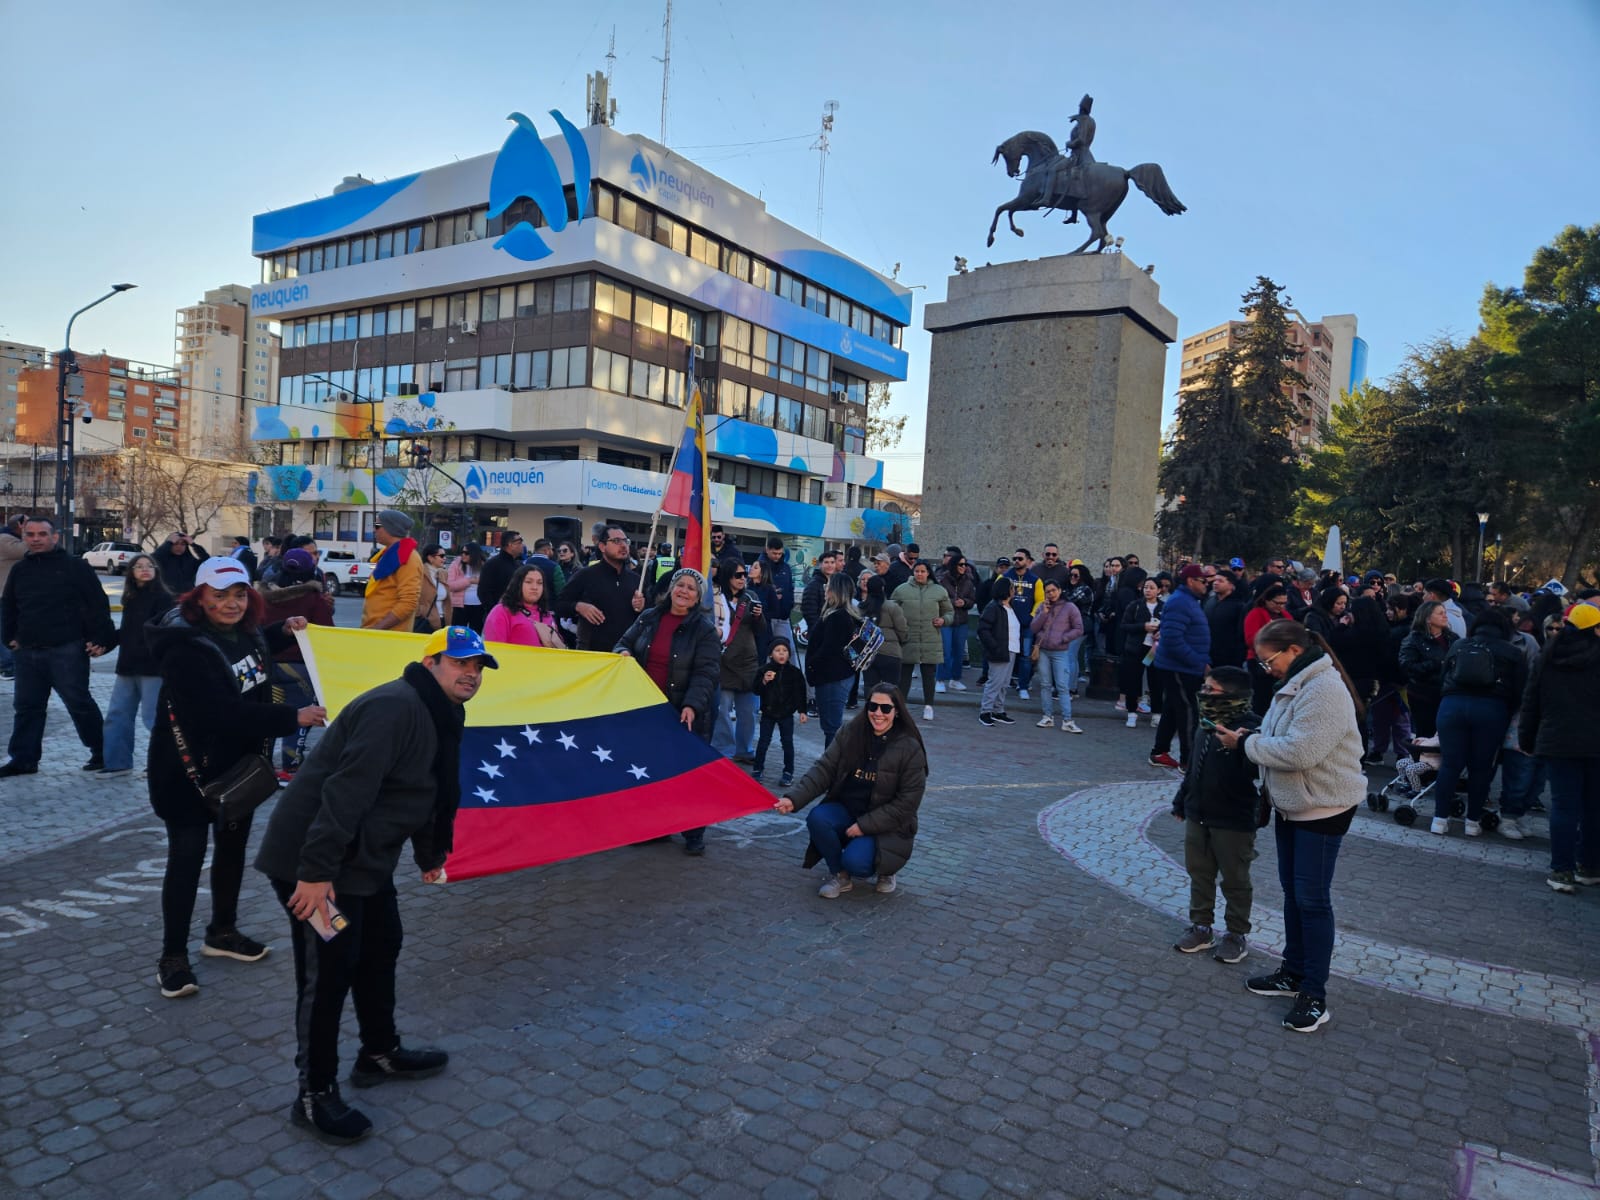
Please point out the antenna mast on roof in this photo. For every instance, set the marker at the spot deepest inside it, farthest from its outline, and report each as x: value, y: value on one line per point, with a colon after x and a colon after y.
x: 821, y: 144
x: 602, y: 108
x: 666, y: 67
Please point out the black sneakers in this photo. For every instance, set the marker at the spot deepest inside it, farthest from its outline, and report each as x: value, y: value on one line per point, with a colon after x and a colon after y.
x: 329, y: 1117
x: 1279, y: 983
x: 94, y: 764
x: 175, y: 977
x: 230, y: 943
x: 1308, y: 1015
x: 1003, y: 719
x: 400, y: 1063
x: 13, y: 767
x: 986, y: 719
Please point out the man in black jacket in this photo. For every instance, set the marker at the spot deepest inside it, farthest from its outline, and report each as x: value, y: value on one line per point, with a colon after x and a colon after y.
x: 55, y: 617
x: 604, y: 597
x: 387, y: 770
x: 1226, y: 618
x: 497, y: 572
x: 178, y: 558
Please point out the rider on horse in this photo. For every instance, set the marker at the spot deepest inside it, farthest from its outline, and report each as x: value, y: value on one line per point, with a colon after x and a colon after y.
x: 1069, y: 172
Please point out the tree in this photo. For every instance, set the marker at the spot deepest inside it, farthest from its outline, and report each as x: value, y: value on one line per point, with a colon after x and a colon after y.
x: 883, y: 430
x: 1545, y: 344
x: 164, y: 491
x: 1230, y: 469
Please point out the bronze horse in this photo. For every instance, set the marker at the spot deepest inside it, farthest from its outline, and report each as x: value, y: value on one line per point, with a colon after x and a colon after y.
x: 1097, y: 192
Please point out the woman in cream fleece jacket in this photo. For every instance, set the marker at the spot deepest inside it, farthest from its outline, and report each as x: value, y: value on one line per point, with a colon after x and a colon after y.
x: 1309, y: 751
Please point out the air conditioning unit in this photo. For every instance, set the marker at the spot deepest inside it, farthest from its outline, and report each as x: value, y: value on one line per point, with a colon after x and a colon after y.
x: 834, y: 496
x: 472, y: 235
x: 468, y: 325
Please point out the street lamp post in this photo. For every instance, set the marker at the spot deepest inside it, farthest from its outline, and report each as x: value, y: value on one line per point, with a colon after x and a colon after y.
x: 1483, y: 520
x: 65, y: 461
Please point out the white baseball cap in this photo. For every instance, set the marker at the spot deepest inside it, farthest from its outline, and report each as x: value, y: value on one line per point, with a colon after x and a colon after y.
x: 221, y: 573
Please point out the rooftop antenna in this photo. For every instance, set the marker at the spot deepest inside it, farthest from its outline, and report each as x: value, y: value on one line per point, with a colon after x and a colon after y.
x: 821, y: 144
x: 666, y: 67
x: 611, y: 55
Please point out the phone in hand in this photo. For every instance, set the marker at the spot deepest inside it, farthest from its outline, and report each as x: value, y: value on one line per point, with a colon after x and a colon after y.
x: 331, y: 927
x: 1207, y: 723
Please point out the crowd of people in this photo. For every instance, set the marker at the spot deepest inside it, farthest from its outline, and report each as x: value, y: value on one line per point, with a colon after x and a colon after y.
x: 1276, y: 690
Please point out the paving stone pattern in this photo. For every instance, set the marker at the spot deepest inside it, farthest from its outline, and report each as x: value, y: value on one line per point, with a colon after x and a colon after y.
x: 638, y: 1023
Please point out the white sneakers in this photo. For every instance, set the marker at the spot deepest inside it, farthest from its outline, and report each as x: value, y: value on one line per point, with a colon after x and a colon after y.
x: 1023, y: 693
x: 927, y: 712
x: 1440, y: 825
x: 1133, y: 720
x: 1474, y: 829
x: 938, y: 685
x: 1070, y: 727
x: 1047, y: 722
x: 957, y: 686
x: 1509, y: 828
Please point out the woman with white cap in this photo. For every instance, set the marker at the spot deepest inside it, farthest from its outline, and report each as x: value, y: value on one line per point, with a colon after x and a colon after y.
x: 215, y: 660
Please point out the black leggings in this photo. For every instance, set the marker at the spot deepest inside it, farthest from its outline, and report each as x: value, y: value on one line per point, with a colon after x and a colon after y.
x: 186, y: 855
x: 926, y: 670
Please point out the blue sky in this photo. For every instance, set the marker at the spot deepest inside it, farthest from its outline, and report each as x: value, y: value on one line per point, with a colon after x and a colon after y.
x: 1386, y: 159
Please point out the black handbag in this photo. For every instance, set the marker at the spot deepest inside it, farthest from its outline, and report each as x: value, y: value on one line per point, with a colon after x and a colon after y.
x: 234, y: 795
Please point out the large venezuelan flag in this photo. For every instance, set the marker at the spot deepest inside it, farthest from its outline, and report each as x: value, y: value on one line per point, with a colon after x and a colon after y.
x: 688, y: 494
x: 565, y: 752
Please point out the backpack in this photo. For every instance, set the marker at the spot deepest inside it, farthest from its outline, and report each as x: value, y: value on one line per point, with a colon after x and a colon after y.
x: 1474, y: 665
x: 864, y: 647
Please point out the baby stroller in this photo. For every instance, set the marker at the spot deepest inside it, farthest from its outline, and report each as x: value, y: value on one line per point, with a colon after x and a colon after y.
x: 1415, y: 776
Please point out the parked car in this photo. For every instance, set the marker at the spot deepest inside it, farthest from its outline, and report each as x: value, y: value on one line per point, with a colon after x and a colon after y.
x: 111, y: 557
x: 344, y: 574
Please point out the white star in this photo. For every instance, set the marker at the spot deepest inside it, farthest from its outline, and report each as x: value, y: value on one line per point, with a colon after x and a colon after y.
x: 532, y: 734
x: 489, y: 769
x: 601, y: 753
x: 507, y: 750
x: 638, y: 772
x: 485, y: 795
x: 568, y: 742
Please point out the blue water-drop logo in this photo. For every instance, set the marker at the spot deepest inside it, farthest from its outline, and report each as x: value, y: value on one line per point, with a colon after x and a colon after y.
x: 643, y: 170
x: 475, y: 481
x: 525, y: 170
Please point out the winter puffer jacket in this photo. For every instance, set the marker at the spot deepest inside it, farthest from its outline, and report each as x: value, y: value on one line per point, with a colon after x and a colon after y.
x: 1561, y: 706
x: 696, y: 661
x: 923, y: 602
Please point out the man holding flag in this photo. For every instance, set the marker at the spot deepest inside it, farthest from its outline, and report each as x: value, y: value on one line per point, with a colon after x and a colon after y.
x: 388, y: 770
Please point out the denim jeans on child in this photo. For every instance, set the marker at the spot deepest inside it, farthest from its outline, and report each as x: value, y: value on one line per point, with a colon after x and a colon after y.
x: 131, y: 696
x: 785, y: 727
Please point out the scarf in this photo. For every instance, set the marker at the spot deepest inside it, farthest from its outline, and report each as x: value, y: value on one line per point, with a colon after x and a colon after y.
x: 1301, y: 662
x: 448, y: 721
x: 1226, y: 711
x: 394, y: 556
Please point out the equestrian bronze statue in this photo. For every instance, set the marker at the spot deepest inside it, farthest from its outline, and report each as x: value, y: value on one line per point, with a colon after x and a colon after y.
x: 1074, y: 182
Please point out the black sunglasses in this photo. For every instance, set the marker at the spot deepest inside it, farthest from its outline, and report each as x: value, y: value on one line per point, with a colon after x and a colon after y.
x: 882, y: 708
x: 738, y: 574
x: 1019, y: 558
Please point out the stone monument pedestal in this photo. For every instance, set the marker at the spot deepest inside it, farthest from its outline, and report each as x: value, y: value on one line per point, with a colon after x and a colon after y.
x: 1044, y: 410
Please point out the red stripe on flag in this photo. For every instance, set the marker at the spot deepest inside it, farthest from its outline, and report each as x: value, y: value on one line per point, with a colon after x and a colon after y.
x: 491, y: 841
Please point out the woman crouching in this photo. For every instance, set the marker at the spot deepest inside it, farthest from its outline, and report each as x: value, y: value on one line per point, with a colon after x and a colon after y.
x: 872, y: 775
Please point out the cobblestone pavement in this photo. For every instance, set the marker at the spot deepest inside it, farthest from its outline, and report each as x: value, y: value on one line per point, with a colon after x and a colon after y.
x: 1013, y: 1021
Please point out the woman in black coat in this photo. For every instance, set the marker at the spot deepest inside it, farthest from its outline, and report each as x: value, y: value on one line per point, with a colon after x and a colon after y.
x: 1422, y: 656
x: 1560, y: 713
x: 1134, y: 627
x: 685, y: 665
x: 144, y: 598
x: 215, y: 661
x: 873, y: 776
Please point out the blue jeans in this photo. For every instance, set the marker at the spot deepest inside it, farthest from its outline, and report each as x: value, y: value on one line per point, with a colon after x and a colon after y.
x: 131, y: 695
x: 1574, y: 813
x: 736, y: 736
x: 64, y: 668
x: 1077, y: 662
x: 1305, y: 869
x: 1060, y: 674
x: 292, y: 685
x: 830, y: 707
x: 1021, y: 662
x: 826, y: 824
x: 1521, y: 780
x: 1471, y: 729
x: 955, y: 652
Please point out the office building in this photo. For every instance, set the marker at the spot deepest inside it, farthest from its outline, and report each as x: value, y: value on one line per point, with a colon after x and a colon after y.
x: 127, y: 404
x: 544, y: 355
x: 1327, y: 352
x: 227, y: 361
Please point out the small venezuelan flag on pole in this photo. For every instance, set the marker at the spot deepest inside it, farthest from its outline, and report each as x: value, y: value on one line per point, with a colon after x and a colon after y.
x: 688, y: 494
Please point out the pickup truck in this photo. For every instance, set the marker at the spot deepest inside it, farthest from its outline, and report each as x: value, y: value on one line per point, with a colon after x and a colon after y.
x: 344, y: 574
x: 111, y: 557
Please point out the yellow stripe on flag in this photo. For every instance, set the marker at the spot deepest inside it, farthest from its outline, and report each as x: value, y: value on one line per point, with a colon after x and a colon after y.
x: 532, y: 686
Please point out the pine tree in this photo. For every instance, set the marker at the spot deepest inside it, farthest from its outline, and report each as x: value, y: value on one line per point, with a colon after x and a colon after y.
x: 1230, y: 470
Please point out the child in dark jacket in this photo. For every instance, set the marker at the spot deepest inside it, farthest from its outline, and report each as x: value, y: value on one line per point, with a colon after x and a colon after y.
x: 1218, y: 804
x: 782, y: 688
